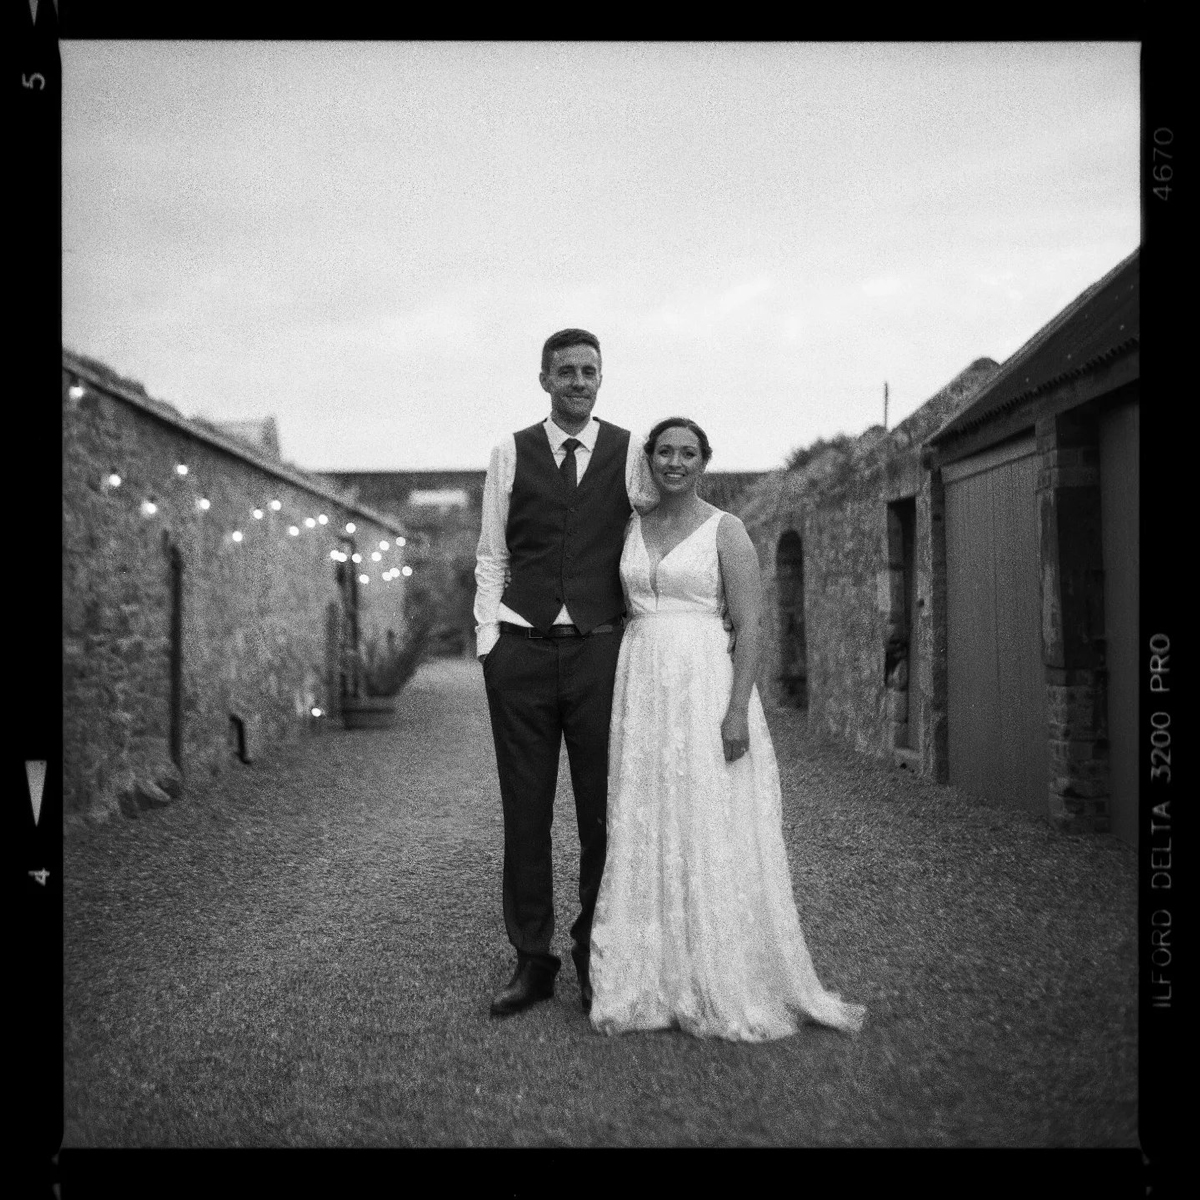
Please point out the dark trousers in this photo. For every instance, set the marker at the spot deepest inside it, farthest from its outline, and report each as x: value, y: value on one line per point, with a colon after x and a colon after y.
x: 542, y: 691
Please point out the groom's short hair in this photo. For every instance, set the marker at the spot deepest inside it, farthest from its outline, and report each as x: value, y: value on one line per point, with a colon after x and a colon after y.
x: 564, y: 338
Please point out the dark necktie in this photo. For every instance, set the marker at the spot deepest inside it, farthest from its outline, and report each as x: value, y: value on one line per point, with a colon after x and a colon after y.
x: 567, y: 467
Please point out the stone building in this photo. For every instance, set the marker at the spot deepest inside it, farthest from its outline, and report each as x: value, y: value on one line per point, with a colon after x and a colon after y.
x: 844, y: 540
x: 211, y: 602
x: 1038, y: 481
x: 960, y: 594
x: 440, y: 511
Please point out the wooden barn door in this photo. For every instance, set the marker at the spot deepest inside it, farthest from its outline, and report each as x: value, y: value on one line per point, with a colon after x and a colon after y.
x: 997, y: 720
x: 1119, y: 539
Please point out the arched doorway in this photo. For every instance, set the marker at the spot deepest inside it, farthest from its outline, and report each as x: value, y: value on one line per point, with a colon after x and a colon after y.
x: 789, y: 588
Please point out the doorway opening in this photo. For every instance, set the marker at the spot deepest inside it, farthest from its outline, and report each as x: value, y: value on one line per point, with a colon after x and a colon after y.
x: 175, y: 657
x: 901, y: 645
x: 793, y: 653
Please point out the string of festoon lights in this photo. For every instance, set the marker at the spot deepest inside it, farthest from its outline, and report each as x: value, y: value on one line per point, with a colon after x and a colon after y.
x: 155, y: 501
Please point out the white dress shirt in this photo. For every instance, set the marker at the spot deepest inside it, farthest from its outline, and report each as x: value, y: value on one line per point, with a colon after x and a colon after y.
x: 491, y: 558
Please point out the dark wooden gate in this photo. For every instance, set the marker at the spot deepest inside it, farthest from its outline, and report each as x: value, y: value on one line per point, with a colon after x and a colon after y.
x: 1119, y: 538
x: 997, y: 720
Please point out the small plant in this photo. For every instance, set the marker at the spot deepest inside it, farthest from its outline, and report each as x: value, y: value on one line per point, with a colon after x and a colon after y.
x: 799, y: 458
x: 387, y: 668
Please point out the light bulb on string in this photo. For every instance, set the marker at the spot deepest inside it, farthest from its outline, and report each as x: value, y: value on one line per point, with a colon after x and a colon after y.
x: 364, y: 579
x: 258, y: 514
x: 356, y: 557
x: 384, y: 545
x: 275, y: 505
x: 375, y: 556
x: 335, y: 556
x: 236, y: 535
x: 149, y: 508
x: 309, y: 523
x: 112, y: 480
x: 316, y: 712
x: 203, y: 504
x: 76, y: 391
x: 322, y: 519
x: 181, y: 469
x: 350, y: 527
x: 406, y: 571
x: 293, y: 530
x: 401, y: 542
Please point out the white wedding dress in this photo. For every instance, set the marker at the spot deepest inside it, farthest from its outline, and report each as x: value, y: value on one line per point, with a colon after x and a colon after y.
x: 696, y: 925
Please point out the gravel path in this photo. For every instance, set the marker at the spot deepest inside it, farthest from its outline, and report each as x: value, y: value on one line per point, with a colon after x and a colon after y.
x: 302, y: 953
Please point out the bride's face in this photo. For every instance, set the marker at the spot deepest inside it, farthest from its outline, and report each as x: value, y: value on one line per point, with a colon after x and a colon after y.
x: 677, y: 462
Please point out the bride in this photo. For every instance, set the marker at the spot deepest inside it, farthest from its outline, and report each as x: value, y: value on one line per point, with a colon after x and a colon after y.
x: 696, y: 926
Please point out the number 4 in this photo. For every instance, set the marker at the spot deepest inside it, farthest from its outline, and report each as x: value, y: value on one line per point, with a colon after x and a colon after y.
x: 41, y: 876
x: 1162, y: 192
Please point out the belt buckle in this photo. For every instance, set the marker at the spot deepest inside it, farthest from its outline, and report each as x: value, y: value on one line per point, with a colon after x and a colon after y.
x: 533, y: 634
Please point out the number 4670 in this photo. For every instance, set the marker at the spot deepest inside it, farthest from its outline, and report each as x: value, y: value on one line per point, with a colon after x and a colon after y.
x: 1162, y: 172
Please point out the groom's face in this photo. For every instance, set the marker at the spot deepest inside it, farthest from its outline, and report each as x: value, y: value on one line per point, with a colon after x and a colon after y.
x: 572, y: 382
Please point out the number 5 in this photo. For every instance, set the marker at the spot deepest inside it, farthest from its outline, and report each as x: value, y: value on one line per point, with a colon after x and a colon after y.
x: 28, y: 81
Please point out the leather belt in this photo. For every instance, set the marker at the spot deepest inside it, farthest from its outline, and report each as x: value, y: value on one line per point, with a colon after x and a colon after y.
x: 557, y: 631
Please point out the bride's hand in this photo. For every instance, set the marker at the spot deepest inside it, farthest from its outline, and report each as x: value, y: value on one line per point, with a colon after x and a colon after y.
x: 735, y: 736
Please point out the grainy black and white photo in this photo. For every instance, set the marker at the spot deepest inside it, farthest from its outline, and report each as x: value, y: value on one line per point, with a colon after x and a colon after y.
x: 600, y: 594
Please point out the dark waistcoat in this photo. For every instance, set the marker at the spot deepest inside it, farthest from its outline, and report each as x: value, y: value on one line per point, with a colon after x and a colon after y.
x: 565, y: 546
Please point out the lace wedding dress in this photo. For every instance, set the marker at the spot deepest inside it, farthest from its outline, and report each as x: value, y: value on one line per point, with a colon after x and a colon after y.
x: 695, y: 926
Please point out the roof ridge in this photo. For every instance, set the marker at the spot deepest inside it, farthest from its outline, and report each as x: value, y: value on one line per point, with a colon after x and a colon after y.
x: 1044, y: 334
x: 1073, y: 341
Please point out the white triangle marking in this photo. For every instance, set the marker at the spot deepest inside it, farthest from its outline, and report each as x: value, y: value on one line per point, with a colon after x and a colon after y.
x: 33, y: 10
x: 35, y: 772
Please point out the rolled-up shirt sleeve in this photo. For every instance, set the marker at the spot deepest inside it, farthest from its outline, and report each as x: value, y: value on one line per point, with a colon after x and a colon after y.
x: 491, y: 555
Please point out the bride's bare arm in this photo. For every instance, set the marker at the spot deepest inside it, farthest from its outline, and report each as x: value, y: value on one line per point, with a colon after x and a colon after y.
x: 743, y: 596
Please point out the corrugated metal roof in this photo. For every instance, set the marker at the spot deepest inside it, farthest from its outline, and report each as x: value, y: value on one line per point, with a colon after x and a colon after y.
x: 1100, y: 325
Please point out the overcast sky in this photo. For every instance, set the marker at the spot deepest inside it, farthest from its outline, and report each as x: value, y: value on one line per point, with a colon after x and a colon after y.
x: 370, y: 242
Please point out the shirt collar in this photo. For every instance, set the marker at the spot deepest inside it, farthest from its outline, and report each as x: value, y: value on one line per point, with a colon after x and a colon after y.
x: 587, y: 435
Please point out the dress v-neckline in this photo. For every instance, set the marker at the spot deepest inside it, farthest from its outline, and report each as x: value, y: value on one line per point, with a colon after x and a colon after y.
x: 662, y: 558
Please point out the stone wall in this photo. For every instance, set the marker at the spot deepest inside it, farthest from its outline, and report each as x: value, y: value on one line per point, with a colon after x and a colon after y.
x: 852, y: 529
x: 185, y: 649
x: 1073, y: 625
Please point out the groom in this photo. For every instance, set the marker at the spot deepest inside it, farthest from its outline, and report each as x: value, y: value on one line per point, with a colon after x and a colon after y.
x: 550, y: 612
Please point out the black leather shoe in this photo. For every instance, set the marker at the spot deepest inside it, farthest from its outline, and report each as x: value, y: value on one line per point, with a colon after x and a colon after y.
x: 583, y: 960
x: 530, y: 983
